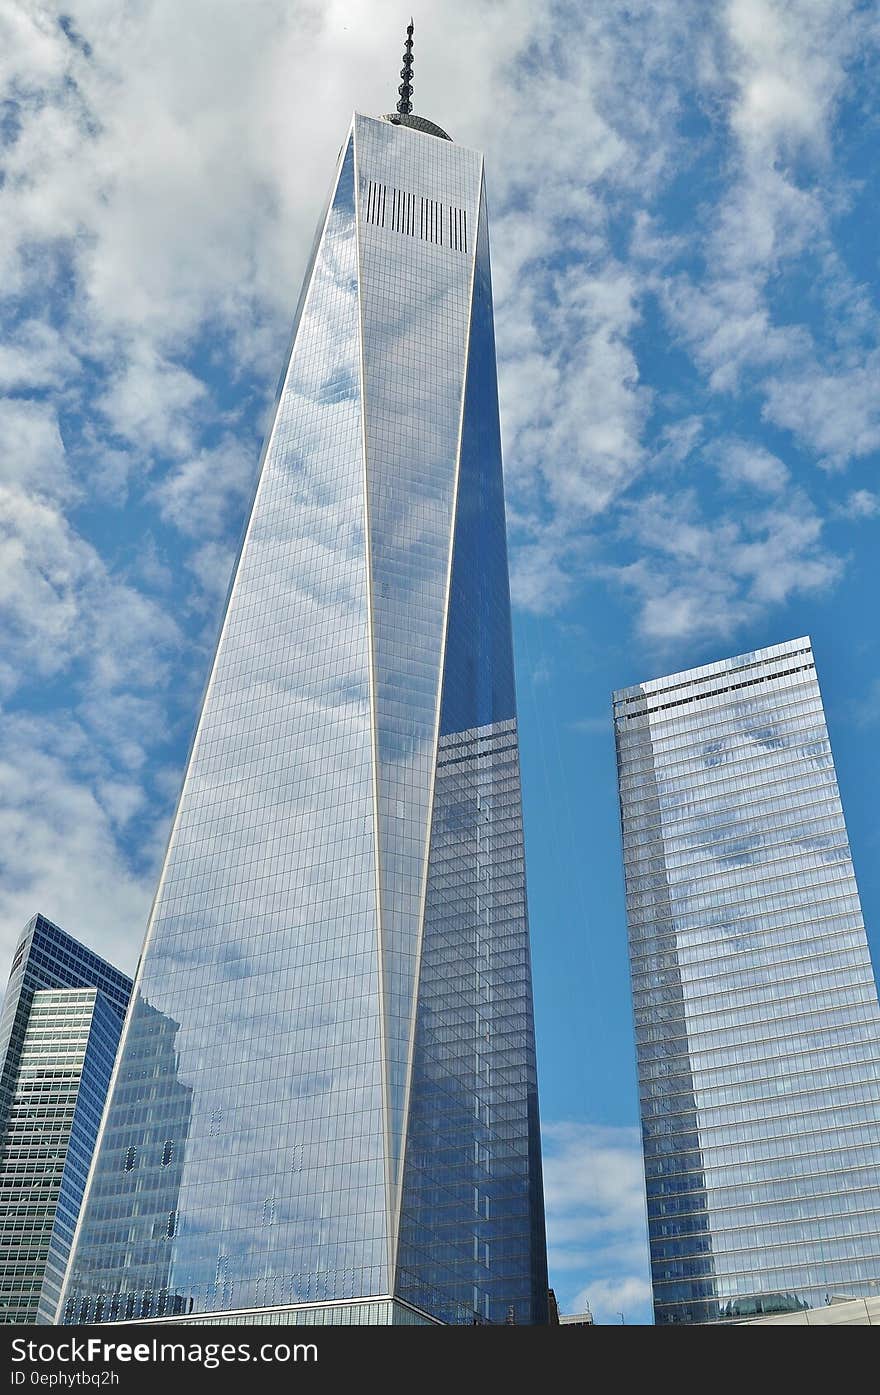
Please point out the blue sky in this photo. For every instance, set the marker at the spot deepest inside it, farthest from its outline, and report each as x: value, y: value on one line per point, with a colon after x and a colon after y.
x: 684, y: 211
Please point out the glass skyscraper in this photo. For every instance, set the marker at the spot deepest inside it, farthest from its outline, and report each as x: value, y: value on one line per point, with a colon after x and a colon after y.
x: 59, y: 1031
x: 756, y: 1014
x: 339, y: 947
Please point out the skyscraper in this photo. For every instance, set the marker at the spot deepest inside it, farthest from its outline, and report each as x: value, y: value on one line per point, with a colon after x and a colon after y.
x: 340, y: 932
x: 756, y: 1014
x: 59, y: 1030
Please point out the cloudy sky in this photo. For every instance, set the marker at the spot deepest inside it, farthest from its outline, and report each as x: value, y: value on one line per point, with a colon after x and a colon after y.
x: 684, y: 213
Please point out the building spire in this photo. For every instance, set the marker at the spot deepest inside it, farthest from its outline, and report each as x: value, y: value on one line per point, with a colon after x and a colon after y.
x: 404, y: 106
x: 403, y: 116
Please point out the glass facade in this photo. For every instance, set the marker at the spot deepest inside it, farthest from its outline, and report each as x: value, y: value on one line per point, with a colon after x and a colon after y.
x: 280, y: 1073
x: 471, y: 1238
x: 756, y: 1013
x: 59, y: 1045
x: 376, y: 1312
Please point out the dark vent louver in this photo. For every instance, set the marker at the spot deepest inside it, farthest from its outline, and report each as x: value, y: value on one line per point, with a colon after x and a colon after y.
x: 428, y: 219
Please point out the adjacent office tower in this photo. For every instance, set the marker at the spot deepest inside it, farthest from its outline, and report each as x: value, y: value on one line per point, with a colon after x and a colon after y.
x: 757, y: 1023
x: 59, y: 1030
x: 340, y: 931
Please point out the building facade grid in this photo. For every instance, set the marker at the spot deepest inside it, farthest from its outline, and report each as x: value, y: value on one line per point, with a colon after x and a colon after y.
x: 59, y: 1029
x: 756, y: 1015
x: 296, y: 933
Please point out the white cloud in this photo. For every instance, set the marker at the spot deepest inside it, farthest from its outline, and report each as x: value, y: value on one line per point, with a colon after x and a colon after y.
x: 539, y: 579
x: 699, y: 575
x: 32, y: 452
x: 59, y: 852
x: 61, y: 610
x: 592, y: 434
x: 573, y: 413
x: 210, y: 489
x: 787, y: 60
x: 836, y: 413
x: 34, y: 355
x: 861, y: 503
x: 678, y: 440
x: 212, y: 564
x: 743, y: 463
x: 44, y: 571
x: 150, y: 402
x: 778, y: 72
x: 594, y: 1191
x: 204, y: 231
x: 727, y: 326
x: 616, y: 1300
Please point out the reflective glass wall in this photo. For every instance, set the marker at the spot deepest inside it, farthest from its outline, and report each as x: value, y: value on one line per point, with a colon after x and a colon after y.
x: 416, y: 280
x: 67, y: 1056
x: 253, y: 1153
x: 247, y: 1111
x: 756, y: 1013
x: 472, y: 1245
x: 60, y: 1026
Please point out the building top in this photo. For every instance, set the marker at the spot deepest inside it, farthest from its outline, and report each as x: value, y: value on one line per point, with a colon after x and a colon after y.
x: 403, y: 116
x: 51, y: 958
x: 791, y: 650
x: 417, y: 123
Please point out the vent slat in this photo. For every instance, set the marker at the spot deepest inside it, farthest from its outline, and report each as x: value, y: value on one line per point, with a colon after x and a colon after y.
x: 416, y: 216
